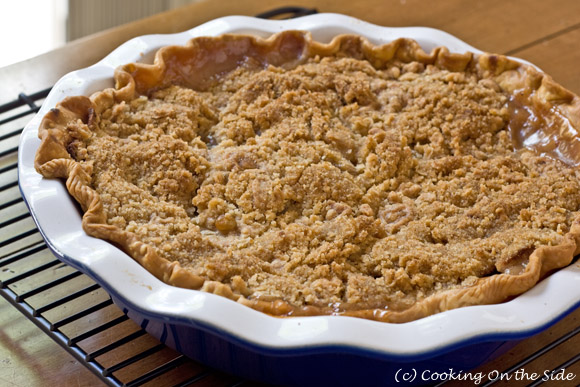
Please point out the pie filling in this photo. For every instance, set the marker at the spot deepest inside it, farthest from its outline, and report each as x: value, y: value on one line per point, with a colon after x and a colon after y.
x: 331, y: 185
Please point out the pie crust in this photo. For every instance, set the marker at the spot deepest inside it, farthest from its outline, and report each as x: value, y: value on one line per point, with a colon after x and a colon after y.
x: 523, y: 108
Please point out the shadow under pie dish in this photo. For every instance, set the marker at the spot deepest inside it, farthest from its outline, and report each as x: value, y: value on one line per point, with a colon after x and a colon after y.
x: 429, y: 171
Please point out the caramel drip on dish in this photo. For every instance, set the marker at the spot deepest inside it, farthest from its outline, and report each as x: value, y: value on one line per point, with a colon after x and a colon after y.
x: 542, y: 128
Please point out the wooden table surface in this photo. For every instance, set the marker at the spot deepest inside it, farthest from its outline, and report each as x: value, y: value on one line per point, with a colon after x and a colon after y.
x: 545, y: 33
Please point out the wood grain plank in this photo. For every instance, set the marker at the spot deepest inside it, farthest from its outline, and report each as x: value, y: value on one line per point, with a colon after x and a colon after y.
x: 28, y: 357
x: 493, y: 25
x: 558, y: 57
x: 6, y: 162
x: 503, y: 26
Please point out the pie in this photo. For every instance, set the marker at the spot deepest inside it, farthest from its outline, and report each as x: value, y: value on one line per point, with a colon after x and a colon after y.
x: 303, y: 178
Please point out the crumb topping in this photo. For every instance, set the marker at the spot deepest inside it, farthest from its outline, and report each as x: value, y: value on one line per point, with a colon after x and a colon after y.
x: 329, y: 183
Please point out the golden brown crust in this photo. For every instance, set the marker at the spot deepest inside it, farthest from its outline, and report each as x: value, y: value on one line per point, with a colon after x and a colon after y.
x: 202, y: 60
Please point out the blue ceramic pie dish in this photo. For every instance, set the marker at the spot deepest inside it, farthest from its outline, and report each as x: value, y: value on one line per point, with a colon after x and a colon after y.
x: 300, y: 350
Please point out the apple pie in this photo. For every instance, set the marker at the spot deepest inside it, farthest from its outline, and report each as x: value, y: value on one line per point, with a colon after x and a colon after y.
x: 342, y: 178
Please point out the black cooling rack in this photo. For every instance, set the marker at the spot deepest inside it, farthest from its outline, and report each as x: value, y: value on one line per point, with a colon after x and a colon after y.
x: 78, y: 315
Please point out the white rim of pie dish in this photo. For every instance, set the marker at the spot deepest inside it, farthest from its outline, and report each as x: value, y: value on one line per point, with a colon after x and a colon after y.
x: 59, y: 220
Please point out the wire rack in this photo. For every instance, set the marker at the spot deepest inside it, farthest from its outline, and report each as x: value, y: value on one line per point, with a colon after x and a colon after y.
x: 78, y: 315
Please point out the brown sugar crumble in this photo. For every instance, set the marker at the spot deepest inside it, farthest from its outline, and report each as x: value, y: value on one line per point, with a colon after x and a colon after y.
x: 331, y: 183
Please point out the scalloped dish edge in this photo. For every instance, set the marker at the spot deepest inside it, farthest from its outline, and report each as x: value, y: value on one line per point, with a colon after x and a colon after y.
x: 287, y: 48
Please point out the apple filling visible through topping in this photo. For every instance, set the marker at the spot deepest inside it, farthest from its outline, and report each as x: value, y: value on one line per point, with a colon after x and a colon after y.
x: 330, y: 184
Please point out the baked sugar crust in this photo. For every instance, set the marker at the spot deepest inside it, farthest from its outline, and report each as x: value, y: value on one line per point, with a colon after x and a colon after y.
x: 303, y: 178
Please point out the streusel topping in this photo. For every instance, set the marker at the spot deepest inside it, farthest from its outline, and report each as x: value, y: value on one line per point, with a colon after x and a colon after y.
x: 332, y: 183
